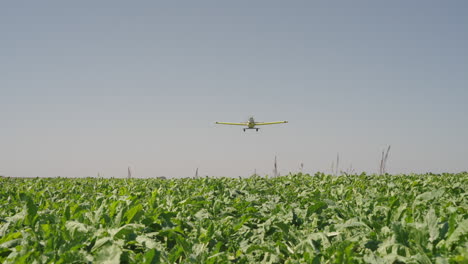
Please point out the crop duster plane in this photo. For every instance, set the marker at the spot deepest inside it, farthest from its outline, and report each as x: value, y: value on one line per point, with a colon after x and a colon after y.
x: 251, y: 124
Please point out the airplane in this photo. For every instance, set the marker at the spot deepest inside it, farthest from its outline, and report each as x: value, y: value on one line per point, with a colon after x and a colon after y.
x: 251, y: 124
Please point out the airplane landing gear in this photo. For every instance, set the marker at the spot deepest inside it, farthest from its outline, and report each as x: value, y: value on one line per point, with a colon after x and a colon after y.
x: 244, y: 129
x: 256, y: 129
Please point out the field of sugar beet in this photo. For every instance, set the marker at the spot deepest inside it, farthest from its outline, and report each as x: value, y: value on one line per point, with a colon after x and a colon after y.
x: 287, y: 219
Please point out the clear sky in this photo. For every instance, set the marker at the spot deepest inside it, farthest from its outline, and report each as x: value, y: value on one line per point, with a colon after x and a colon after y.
x: 90, y: 87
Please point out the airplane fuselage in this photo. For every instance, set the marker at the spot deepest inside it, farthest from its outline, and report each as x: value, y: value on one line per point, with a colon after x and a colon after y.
x: 251, y: 123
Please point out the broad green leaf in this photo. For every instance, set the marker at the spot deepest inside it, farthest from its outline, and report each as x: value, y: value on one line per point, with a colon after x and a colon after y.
x: 460, y: 231
x: 109, y: 254
x: 76, y: 228
x: 134, y: 213
x: 152, y: 257
x: 431, y: 222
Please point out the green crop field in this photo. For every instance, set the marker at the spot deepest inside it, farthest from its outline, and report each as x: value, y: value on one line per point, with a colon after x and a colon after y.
x: 288, y: 219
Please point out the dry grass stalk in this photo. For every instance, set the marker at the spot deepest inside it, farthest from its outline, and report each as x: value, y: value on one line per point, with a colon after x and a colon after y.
x: 336, y: 167
x: 350, y: 170
x: 275, y: 169
x: 337, y: 163
x: 383, y: 161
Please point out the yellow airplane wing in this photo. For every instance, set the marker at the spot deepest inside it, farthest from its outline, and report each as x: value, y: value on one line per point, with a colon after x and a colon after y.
x: 235, y: 124
x: 269, y: 123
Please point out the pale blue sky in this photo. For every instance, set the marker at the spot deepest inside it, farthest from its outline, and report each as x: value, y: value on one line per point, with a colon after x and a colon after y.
x: 96, y: 86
